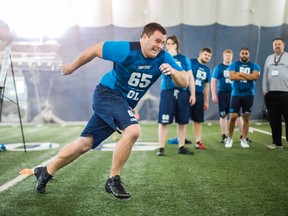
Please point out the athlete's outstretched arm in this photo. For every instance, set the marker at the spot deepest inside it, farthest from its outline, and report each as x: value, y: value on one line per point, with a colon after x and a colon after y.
x: 82, y: 59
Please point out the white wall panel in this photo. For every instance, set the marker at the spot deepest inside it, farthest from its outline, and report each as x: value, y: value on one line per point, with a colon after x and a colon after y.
x: 137, y: 13
x: 166, y: 12
x: 129, y: 13
x: 92, y: 13
x: 199, y: 12
x: 268, y: 12
x: 286, y: 12
x: 234, y: 12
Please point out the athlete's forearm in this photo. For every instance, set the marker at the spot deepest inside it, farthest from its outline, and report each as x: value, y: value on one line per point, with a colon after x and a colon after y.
x: 254, y: 76
x: 180, y: 78
x: 236, y: 76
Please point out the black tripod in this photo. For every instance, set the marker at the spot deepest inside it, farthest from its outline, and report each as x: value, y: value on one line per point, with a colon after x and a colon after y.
x: 3, y: 74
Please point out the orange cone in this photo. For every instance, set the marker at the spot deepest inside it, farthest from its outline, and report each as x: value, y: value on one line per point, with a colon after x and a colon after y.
x: 26, y: 171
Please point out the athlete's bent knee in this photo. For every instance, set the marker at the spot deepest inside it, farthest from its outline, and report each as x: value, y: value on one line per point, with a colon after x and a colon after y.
x: 245, y: 116
x: 84, y: 143
x: 133, y: 131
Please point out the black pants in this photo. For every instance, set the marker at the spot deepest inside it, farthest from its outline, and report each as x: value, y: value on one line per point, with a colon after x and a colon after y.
x: 277, y: 106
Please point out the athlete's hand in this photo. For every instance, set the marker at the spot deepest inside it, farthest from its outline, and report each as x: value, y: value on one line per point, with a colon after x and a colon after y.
x: 66, y: 69
x: 215, y: 99
x: 166, y: 69
x: 206, y: 106
x: 192, y: 100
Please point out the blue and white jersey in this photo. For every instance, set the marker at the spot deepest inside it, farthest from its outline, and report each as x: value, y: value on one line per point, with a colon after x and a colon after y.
x: 243, y: 87
x: 184, y: 63
x: 132, y: 73
x: 202, y: 75
x: 221, y: 73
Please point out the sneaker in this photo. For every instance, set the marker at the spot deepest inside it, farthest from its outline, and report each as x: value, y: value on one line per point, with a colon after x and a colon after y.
x: 228, y: 143
x: 223, y: 139
x: 183, y: 150
x: 274, y: 146
x: 114, y: 185
x: 160, y: 152
x: 42, y: 177
x: 247, y: 139
x: 199, y: 145
x: 175, y: 141
x: 244, y: 144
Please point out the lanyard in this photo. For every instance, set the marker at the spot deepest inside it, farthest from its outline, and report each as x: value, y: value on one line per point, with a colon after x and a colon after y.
x: 277, y: 61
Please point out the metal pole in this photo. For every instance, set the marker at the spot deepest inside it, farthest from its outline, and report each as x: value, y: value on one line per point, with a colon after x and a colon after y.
x: 17, y: 103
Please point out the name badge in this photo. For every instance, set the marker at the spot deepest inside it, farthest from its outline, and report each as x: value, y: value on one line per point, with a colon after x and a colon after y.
x: 274, y: 72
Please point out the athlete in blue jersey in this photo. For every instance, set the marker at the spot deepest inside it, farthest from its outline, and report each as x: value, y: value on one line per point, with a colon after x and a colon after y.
x: 137, y: 65
x: 221, y: 93
x: 202, y: 76
x: 243, y: 74
x: 175, y: 101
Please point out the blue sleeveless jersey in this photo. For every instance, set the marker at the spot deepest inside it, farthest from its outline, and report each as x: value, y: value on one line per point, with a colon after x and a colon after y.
x: 132, y: 73
x: 184, y: 63
x: 202, y: 75
x: 243, y: 87
x: 221, y: 73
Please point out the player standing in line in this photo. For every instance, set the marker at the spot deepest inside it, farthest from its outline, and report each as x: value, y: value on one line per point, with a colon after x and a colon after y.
x: 202, y: 76
x: 221, y: 94
x: 175, y: 101
x: 243, y: 74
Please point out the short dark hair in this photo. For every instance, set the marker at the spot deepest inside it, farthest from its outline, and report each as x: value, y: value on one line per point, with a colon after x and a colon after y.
x: 207, y: 49
x: 176, y: 40
x: 278, y: 38
x: 245, y: 48
x: 150, y: 28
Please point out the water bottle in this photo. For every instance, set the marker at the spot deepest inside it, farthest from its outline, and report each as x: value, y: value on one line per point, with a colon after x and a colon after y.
x: 2, y: 147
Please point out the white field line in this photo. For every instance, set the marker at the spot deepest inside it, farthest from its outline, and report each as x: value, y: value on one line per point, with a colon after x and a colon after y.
x: 264, y: 132
x: 21, y: 177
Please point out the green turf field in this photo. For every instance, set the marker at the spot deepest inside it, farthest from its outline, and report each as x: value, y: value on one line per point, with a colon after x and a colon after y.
x: 216, y: 181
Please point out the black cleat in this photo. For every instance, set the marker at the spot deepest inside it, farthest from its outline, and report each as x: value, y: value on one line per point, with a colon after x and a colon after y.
x: 161, y: 152
x: 114, y: 185
x: 224, y: 138
x: 42, y: 178
x: 247, y: 139
x: 188, y: 141
x: 183, y: 150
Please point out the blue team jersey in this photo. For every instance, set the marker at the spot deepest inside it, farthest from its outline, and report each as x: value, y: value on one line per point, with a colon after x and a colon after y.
x: 243, y: 87
x: 132, y: 73
x: 221, y: 73
x: 184, y: 63
x: 202, y: 75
